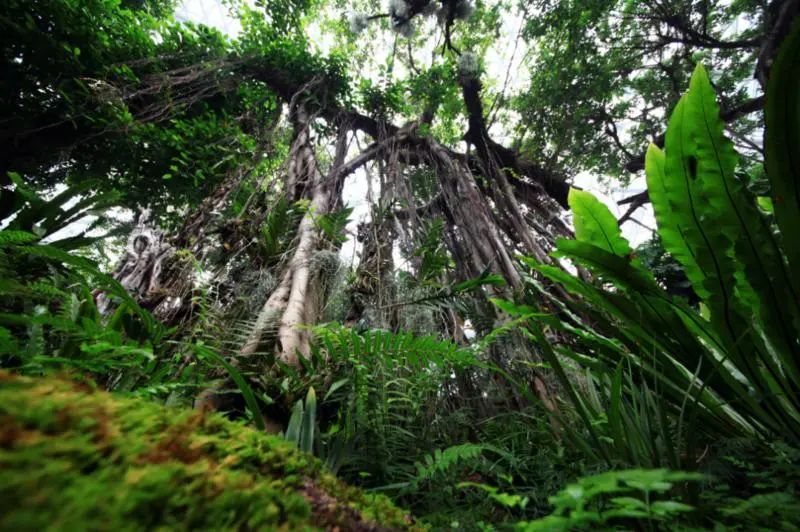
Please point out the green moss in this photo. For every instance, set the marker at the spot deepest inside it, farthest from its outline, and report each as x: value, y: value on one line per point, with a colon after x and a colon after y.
x: 75, y: 458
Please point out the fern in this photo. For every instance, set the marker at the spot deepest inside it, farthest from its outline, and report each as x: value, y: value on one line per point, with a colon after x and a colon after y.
x: 346, y: 344
x: 278, y: 229
x: 10, y: 237
x: 442, y: 460
x: 333, y: 224
x: 433, y: 257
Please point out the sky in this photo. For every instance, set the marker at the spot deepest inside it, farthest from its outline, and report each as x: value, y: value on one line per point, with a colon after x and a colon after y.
x: 209, y: 12
x: 213, y: 13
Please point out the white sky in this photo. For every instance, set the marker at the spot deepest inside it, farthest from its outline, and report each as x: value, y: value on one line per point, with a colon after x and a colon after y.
x: 209, y: 12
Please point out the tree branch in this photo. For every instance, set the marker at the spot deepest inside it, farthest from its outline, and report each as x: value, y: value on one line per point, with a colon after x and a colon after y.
x: 477, y: 134
x: 729, y: 115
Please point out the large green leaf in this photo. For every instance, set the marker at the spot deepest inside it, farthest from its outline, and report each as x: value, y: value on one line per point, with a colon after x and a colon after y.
x: 762, y: 281
x: 710, y: 222
x: 782, y: 143
x: 669, y: 225
x: 606, y: 264
x: 595, y: 224
x: 698, y: 216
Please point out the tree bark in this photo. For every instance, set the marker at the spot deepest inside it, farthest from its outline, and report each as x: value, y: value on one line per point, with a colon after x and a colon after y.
x: 153, y: 271
x: 294, y: 304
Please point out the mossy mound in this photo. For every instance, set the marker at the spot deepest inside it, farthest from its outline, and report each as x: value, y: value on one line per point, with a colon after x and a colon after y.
x: 75, y: 458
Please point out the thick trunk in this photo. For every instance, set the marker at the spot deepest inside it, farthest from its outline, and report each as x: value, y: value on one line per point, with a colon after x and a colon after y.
x: 159, y: 270
x: 297, y: 301
x: 286, y: 307
x: 301, y: 309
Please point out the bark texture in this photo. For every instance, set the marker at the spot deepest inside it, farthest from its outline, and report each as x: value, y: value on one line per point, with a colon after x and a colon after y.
x: 159, y: 270
x: 295, y: 303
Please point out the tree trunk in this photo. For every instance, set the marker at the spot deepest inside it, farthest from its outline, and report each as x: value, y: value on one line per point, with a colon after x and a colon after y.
x: 154, y: 272
x: 296, y: 303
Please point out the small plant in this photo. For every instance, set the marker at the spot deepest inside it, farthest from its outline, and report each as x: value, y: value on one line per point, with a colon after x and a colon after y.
x: 302, y: 427
x: 633, y: 498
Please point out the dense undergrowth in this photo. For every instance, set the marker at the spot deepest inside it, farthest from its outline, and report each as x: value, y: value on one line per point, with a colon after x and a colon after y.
x: 661, y: 397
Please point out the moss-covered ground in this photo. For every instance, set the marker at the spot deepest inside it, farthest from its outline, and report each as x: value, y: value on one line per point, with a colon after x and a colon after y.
x: 75, y: 458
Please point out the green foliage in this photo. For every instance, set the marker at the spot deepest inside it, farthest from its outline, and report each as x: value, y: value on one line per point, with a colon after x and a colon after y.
x: 605, y: 73
x: 78, y: 65
x: 443, y: 459
x: 388, y: 421
x: 253, y: 408
x: 663, y: 356
x: 504, y: 499
x: 60, y: 312
x: 397, y: 350
x: 728, y: 369
x: 279, y: 48
x: 431, y: 252
x: 48, y: 315
x: 380, y: 101
x: 159, y: 112
x: 279, y: 229
x: 664, y: 381
x: 302, y: 424
x: 333, y: 224
x: 595, y: 224
x: 667, y: 271
x: 630, y: 497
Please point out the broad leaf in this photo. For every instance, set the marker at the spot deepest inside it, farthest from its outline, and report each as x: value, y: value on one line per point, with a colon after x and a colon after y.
x: 669, y: 225
x: 782, y: 143
x: 595, y: 224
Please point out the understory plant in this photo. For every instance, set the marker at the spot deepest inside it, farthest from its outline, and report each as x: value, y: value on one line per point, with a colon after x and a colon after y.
x: 664, y: 380
x: 59, y: 312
